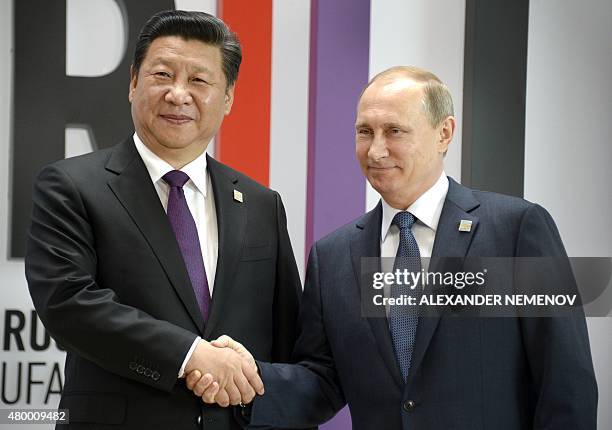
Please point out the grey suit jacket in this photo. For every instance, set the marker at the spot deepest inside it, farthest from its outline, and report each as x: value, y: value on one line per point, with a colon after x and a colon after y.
x: 466, y: 373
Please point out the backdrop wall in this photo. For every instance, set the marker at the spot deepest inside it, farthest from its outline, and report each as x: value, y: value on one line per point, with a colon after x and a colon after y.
x: 311, y: 100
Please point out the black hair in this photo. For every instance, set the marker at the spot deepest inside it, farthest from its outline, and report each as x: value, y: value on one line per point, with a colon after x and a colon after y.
x: 192, y: 25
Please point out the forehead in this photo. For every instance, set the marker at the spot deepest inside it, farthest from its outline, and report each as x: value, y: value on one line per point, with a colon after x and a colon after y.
x: 399, y: 97
x: 175, y: 49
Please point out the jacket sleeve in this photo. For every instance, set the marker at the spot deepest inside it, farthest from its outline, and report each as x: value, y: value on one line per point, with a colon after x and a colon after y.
x: 84, y: 317
x: 308, y: 393
x: 557, y: 347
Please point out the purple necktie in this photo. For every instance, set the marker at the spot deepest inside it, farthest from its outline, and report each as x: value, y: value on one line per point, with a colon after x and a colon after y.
x: 186, y: 233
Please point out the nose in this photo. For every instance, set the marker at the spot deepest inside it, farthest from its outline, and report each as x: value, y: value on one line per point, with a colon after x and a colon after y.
x: 378, y: 149
x: 178, y: 94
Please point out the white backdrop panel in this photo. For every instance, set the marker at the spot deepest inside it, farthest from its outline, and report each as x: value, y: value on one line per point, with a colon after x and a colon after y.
x: 289, y: 115
x: 568, y: 153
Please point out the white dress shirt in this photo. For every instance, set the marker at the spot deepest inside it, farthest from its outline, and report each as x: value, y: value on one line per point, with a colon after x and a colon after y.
x: 427, y: 209
x: 201, y: 202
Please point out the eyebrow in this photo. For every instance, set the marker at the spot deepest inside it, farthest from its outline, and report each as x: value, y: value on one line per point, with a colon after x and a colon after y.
x: 394, y: 125
x: 385, y: 125
x: 162, y: 61
x: 201, y: 69
x: 195, y: 69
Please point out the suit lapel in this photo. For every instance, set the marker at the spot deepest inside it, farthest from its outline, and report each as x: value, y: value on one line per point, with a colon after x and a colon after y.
x: 449, y: 242
x: 133, y: 188
x: 231, y: 221
x: 366, y: 243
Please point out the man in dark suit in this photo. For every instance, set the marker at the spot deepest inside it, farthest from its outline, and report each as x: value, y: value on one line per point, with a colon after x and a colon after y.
x: 402, y: 370
x: 139, y: 253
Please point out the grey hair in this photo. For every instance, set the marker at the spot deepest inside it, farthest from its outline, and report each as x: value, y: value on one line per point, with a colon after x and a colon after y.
x: 437, y: 99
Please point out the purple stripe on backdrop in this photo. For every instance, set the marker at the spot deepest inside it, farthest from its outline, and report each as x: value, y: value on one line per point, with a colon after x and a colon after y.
x: 339, y: 59
x: 312, y: 97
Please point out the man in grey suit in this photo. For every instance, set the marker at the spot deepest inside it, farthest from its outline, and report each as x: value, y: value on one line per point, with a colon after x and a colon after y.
x: 405, y: 371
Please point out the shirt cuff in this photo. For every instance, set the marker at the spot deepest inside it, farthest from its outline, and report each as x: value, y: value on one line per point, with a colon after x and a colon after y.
x: 181, y: 373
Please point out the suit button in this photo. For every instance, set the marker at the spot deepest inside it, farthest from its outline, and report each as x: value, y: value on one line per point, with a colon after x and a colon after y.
x: 140, y: 369
x: 133, y: 365
x: 155, y: 376
x: 147, y: 372
x: 409, y: 405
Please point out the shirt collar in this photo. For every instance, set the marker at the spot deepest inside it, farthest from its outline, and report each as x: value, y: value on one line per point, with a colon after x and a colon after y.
x: 157, y: 167
x: 427, y: 208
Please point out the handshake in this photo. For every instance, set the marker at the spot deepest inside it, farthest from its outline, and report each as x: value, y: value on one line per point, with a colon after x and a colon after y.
x: 223, y: 372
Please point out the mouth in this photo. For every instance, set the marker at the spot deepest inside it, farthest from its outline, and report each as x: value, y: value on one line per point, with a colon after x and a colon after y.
x: 176, y: 119
x: 380, y: 168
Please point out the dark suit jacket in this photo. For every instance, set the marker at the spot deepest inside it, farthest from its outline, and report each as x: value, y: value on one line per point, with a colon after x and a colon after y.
x: 467, y: 373
x: 108, y: 281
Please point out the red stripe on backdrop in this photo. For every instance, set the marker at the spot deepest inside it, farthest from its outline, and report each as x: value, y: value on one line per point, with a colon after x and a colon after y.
x: 244, y: 139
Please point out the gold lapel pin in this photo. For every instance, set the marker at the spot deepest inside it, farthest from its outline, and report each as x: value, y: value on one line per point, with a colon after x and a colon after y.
x: 238, y: 196
x: 465, y: 225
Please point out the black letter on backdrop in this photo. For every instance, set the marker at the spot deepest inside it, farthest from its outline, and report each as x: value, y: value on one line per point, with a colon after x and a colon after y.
x: 15, y: 331
x: 46, y: 100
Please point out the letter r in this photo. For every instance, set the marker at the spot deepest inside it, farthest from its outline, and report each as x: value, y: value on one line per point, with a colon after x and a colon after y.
x: 46, y: 100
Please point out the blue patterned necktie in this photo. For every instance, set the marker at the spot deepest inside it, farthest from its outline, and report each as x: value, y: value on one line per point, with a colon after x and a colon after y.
x: 403, y: 320
x: 186, y: 233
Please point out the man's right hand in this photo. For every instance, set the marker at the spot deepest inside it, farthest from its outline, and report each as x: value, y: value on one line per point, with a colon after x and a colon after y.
x: 231, y: 374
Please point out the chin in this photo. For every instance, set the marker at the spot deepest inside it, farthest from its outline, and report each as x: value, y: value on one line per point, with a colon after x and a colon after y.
x: 383, y: 179
x: 171, y: 143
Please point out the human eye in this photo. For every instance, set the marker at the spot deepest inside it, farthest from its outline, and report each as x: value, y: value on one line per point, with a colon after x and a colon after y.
x: 363, y: 131
x: 199, y: 80
x: 162, y: 74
